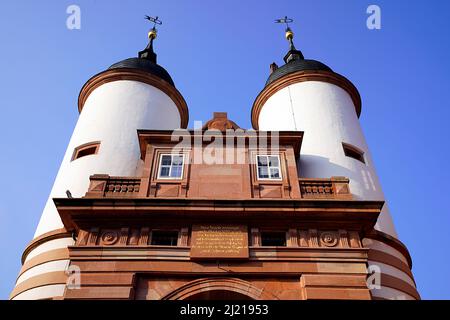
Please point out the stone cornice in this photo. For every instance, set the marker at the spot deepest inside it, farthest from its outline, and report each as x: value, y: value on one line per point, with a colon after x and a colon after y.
x: 357, y: 215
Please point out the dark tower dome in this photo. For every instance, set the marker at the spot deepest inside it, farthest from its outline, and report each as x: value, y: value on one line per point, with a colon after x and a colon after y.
x: 146, y: 65
x: 297, y: 65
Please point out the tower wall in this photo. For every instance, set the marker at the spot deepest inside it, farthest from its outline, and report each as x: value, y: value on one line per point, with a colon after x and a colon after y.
x: 326, y: 113
x: 111, y: 115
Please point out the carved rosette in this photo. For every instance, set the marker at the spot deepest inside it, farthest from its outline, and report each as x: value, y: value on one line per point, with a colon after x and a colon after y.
x: 328, y: 239
x: 109, y: 237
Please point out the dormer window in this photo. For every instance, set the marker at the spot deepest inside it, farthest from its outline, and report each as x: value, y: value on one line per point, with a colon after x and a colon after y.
x: 268, y: 167
x: 171, y: 166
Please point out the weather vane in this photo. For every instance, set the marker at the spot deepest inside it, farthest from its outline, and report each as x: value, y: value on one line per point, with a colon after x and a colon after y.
x: 155, y: 20
x: 285, y: 20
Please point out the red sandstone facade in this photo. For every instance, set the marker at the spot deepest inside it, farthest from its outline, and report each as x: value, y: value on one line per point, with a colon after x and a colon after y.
x: 115, y: 225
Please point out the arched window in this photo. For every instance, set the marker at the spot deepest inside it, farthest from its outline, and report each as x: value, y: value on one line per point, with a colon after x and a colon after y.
x: 86, y: 150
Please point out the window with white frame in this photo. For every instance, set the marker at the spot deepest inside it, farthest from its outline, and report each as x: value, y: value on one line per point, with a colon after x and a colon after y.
x: 268, y: 167
x: 171, y: 166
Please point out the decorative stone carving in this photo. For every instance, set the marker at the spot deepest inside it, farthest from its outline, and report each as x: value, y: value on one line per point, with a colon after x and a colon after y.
x: 134, y: 237
x: 328, y: 239
x: 124, y: 236
x: 292, y: 238
x: 184, y: 237
x: 93, y: 237
x: 343, y: 238
x: 220, y: 122
x: 255, y: 237
x: 83, y: 237
x: 143, y: 240
x: 303, y: 238
x: 109, y: 237
x: 313, y: 241
x: 355, y: 241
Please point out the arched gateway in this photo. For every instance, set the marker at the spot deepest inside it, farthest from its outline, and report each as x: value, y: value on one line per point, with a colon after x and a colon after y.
x: 219, y: 289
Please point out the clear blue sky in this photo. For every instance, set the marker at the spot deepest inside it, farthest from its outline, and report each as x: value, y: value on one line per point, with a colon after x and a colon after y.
x: 218, y: 55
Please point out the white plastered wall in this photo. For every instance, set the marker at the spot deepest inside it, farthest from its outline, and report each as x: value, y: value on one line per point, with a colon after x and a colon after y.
x: 112, y: 114
x: 326, y: 114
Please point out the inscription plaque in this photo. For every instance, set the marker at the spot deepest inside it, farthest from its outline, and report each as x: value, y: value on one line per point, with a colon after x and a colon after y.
x: 219, y: 241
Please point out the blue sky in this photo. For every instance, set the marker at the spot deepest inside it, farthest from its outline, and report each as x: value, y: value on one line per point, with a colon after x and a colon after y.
x: 218, y: 55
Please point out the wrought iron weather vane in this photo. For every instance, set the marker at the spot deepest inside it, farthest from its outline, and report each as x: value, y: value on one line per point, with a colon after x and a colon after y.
x: 155, y: 20
x: 285, y: 20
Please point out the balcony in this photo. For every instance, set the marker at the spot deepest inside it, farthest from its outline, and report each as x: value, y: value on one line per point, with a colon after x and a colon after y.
x: 334, y: 188
x: 105, y: 186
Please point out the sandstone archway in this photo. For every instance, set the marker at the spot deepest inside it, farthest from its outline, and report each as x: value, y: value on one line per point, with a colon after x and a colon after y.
x: 219, y: 288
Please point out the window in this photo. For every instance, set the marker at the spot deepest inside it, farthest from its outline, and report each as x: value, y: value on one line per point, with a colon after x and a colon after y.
x: 164, y: 238
x: 353, y: 152
x: 171, y: 166
x: 268, y: 167
x: 85, y: 150
x: 273, y: 239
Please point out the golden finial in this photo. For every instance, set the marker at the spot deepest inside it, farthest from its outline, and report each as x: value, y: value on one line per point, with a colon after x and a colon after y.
x: 152, y: 34
x: 289, y: 34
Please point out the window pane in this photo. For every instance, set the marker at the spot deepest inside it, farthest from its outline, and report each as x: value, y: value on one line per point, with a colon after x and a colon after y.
x: 274, y: 173
x: 273, y: 161
x: 164, y: 171
x: 177, y: 160
x: 273, y: 239
x: 176, y: 172
x: 263, y: 172
x: 262, y: 161
x: 166, y: 160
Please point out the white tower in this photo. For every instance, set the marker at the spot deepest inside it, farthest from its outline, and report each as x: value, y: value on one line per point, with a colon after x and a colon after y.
x: 308, y: 96
x: 133, y: 94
